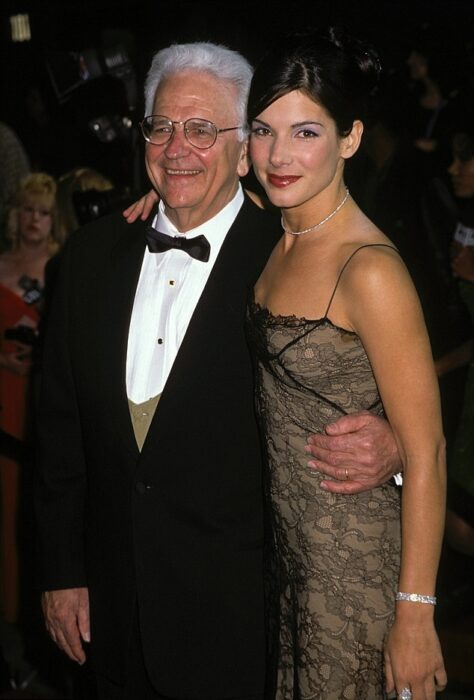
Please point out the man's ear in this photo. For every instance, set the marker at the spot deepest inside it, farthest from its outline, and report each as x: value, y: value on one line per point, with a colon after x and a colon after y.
x: 243, y: 165
x: 351, y: 142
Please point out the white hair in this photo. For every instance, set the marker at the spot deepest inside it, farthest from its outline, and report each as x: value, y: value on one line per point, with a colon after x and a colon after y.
x: 223, y: 63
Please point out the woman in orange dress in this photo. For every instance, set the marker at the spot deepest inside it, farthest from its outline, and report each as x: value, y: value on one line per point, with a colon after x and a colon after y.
x: 31, y: 232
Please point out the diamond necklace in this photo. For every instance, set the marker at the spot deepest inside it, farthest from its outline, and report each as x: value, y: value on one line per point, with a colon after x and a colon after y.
x: 312, y: 228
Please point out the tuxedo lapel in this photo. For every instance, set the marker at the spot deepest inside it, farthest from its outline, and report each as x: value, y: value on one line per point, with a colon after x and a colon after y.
x: 125, y: 265
x: 223, y: 294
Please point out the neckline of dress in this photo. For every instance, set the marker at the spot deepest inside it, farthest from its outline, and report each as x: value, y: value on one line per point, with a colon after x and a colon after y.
x: 281, y: 318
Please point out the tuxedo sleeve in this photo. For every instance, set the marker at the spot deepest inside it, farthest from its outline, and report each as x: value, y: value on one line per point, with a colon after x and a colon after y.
x: 60, y: 483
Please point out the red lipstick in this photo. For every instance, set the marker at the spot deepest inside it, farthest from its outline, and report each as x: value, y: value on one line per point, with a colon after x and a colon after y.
x: 282, y: 180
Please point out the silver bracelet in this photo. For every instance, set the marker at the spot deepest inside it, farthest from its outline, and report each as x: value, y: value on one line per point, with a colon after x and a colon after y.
x: 416, y: 598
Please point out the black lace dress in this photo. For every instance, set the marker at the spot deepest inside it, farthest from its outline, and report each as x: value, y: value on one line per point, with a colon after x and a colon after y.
x: 333, y: 567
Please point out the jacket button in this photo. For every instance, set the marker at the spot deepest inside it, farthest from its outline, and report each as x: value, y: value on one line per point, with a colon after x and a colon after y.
x: 142, y: 488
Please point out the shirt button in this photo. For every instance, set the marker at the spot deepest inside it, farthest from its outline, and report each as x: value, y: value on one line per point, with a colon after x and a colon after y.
x: 171, y: 283
x: 160, y: 341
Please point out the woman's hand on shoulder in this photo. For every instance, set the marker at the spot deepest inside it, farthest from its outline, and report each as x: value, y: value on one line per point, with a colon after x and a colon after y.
x: 142, y: 208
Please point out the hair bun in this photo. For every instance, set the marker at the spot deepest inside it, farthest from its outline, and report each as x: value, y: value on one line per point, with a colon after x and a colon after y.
x: 363, y: 53
x: 335, y: 70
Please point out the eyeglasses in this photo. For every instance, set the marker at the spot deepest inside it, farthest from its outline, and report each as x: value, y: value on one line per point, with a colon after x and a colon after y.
x: 200, y: 133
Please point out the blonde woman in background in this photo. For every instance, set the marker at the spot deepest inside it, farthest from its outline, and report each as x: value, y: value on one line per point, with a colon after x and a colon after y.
x: 31, y: 232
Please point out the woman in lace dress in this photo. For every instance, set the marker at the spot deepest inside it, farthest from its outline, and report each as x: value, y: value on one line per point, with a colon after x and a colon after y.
x: 337, y: 328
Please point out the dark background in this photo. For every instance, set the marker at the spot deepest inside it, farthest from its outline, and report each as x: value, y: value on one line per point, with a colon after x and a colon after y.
x: 63, y: 29
x: 51, y: 107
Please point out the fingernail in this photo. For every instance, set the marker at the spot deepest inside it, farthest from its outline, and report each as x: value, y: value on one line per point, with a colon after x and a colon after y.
x: 323, y: 486
x: 307, y: 449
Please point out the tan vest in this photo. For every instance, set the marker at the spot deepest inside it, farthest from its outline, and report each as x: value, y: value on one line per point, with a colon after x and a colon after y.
x: 141, y: 415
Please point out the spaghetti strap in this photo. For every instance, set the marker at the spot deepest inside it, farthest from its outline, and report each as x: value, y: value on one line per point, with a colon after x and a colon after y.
x: 367, y: 245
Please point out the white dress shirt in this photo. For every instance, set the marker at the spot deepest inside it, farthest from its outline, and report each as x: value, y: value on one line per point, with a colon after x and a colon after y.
x: 168, y: 291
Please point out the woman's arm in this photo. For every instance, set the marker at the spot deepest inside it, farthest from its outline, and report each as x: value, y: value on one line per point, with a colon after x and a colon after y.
x: 142, y: 208
x: 384, y: 310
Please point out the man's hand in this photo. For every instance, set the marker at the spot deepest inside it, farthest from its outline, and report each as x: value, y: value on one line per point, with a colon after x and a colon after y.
x: 142, y: 208
x: 358, y: 453
x: 66, y: 614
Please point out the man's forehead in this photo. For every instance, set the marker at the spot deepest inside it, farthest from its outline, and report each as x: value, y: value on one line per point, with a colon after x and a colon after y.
x: 191, y: 90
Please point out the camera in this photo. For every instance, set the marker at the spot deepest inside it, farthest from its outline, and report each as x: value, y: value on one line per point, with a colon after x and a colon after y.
x: 92, y: 204
x: 32, y: 289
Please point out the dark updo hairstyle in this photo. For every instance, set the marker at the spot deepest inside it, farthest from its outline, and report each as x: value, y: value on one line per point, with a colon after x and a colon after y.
x: 336, y: 71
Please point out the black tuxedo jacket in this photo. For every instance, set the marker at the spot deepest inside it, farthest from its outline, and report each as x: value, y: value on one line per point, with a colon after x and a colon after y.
x: 176, y: 529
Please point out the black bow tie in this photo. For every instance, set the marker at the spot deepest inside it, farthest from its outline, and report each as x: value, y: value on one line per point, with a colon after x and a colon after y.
x: 159, y: 242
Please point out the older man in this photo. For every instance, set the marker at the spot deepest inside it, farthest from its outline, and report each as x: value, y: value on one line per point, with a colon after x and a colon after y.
x: 149, y: 501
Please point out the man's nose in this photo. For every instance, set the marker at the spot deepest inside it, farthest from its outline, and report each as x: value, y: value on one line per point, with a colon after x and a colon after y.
x: 178, y: 144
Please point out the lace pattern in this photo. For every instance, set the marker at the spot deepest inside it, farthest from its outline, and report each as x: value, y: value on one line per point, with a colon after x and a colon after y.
x: 333, y: 564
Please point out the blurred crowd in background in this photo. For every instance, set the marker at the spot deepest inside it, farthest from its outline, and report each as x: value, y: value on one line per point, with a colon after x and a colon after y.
x: 70, y: 152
